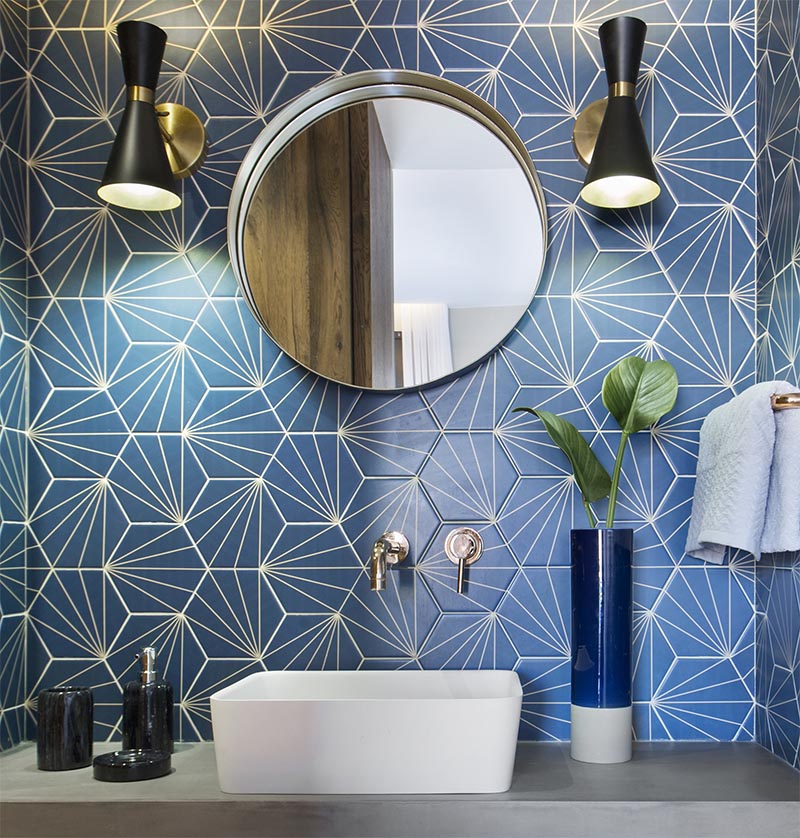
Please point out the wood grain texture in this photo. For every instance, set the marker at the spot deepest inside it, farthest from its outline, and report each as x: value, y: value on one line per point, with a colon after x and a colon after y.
x: 372, y: 250
x: 360, y: 222
x: 319, y: 253
x: 298, y: 251
x: 381, y: 238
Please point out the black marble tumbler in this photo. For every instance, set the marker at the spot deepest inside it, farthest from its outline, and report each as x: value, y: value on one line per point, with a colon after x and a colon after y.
x: 64, y: 734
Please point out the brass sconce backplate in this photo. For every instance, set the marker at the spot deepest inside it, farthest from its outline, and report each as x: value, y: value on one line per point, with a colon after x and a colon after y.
x: 184, y: 138
x: 587, y: 126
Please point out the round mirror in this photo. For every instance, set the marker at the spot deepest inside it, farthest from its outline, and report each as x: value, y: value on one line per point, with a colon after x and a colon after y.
x: 388, y: 229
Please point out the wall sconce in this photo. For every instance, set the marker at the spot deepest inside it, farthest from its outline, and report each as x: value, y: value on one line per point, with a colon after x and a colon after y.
x: 609, y: 136
x: 153, y: 146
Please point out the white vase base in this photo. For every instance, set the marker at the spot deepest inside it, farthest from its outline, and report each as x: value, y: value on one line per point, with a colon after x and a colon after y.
x: 601, y: 734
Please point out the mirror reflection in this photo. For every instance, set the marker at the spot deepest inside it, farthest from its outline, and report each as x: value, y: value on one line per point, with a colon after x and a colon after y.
x: 392, y: 243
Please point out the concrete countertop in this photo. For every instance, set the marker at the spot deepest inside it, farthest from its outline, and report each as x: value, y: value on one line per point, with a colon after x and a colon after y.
x: 669, y: 789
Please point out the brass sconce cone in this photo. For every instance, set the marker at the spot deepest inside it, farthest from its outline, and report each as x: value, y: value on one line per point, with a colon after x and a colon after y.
x: 608, y: 136
x: 155, y: 144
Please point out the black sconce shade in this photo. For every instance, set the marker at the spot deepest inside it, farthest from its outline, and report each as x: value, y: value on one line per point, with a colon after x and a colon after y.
x: 621, y: 173
x: 138, y: 173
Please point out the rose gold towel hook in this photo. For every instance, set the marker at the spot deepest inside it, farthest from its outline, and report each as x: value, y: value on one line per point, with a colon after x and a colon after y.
x: 785, y: 401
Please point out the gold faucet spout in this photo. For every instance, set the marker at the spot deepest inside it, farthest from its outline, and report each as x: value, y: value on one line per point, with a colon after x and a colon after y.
x: 391, y: 548
x: 377, y: 575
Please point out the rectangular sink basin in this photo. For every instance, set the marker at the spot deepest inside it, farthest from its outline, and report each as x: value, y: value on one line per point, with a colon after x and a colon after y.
x: 400, y: 732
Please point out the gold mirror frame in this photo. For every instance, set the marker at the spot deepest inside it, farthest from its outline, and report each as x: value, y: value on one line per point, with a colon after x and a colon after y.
x: 342, y: 92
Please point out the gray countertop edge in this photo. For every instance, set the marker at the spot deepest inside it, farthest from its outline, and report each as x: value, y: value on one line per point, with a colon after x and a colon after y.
x: 435, y: 817
x: 669, y: 789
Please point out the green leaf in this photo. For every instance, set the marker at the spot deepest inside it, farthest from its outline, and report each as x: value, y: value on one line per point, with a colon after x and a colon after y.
x: 590, y: 475
x: 638, y: 393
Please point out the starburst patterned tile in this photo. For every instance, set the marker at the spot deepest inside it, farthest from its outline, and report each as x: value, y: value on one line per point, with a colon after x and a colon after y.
x: 168, y: 476
x: 777, y: 724
x: 468, y: 641
x: 400, y: 504
x: 530, y: 613
x: 312, y: 569
x: 234, y: 522
x: 391, y: 436
x: 545, y: 697
x: 468, y: 476
x: 14, y: 372
x: 13, y: 727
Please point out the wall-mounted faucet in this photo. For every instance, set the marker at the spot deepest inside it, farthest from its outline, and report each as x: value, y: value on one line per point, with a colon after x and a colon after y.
x: 463, y: 546
x: 391, y: 548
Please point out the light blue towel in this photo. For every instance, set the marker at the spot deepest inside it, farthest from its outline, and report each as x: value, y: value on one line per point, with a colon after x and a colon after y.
x: 747, y: 494
x: 782, y: 519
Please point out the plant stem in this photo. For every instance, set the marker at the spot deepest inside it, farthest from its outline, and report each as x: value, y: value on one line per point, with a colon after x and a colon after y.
x: 589, y: 513
x: 612, y: 495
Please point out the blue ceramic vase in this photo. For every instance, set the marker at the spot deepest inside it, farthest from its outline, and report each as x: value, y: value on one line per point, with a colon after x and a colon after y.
x: 602, y: 608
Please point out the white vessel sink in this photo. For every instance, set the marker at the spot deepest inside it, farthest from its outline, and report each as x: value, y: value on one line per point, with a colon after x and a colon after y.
x: 403, y: 732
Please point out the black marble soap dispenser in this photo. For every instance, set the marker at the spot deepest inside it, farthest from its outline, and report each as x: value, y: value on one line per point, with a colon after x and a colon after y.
x: 147, y: 709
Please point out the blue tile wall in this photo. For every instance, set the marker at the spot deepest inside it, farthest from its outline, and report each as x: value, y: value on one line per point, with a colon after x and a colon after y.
x: 778, y: 576
x: 191, y: 488
x: 13, y: 371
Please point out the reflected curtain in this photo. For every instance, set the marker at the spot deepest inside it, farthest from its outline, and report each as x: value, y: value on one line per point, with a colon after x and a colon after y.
x: 427, y: 353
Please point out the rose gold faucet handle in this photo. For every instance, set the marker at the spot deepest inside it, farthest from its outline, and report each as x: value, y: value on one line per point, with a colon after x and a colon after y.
x: 463, y: 546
